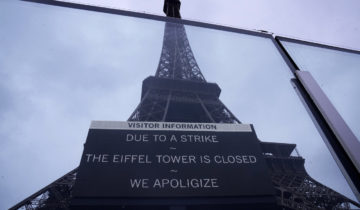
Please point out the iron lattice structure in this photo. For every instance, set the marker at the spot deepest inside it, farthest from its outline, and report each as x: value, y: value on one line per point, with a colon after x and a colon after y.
x: 180, y: 93
x: 177, y: 60
x: 56, y: 195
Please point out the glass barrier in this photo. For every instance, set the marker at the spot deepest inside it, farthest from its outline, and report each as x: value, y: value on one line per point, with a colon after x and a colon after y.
x: 336, y: 72
x: 255, y: 84
x: 61, y: 68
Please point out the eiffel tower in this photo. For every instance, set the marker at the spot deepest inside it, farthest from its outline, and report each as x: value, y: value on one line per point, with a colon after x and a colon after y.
x: 179, y: 93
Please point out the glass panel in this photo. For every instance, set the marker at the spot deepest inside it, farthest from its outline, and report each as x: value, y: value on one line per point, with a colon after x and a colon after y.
x: 61, y: 68
x: 337, y: 73
x: 256, y: 87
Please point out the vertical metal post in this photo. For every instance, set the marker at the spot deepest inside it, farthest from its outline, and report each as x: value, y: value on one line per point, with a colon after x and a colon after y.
x: 344, y: 146
x: 345, y: 137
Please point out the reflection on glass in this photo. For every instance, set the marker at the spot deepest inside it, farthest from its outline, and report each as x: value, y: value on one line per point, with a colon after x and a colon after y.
x: 256, y: 87
x: 337, y: 73
x: 61, y: 68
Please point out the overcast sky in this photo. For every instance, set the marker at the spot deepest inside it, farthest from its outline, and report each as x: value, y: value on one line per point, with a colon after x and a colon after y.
x: 333, y: 22
x: 61, y: 68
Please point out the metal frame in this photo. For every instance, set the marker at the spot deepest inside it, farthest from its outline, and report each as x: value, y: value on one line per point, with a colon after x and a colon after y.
x: 285, y: 55
x: 347, y: 139
x: 281, y: 38
x: 343, y: 144
x: 149, y: 16
x: 340, y: 156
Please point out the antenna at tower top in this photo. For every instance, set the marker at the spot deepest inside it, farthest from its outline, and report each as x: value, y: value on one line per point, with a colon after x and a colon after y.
x: 172, y: 8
